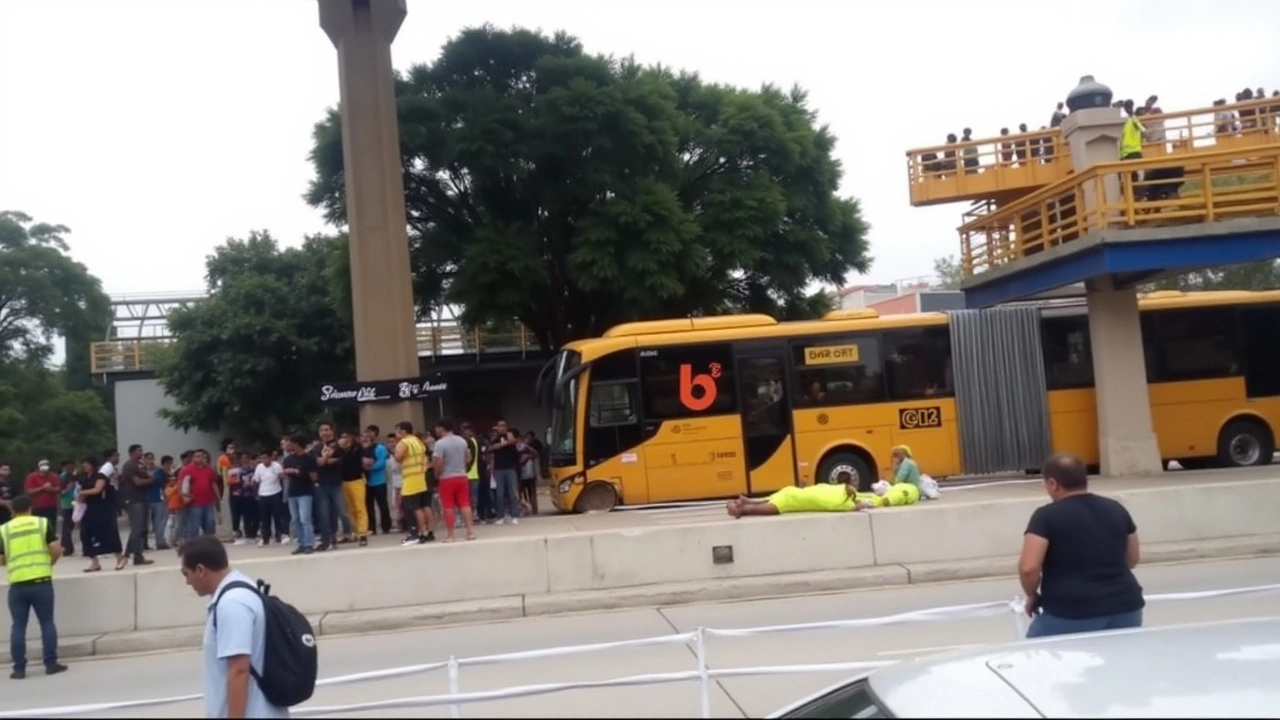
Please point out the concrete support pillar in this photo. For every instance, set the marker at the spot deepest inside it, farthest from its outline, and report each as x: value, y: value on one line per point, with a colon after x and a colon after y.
x: 1093, y: 135
x: 382, y: 294
x: 1126, y: 441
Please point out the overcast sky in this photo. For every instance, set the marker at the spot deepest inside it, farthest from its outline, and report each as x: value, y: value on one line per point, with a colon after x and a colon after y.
x: 157, y: 128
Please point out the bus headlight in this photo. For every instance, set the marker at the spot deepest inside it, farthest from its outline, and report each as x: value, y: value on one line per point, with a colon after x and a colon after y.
x: 564, y: 486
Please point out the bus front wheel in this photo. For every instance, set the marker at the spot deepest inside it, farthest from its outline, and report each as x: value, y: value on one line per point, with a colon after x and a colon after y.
x: 598, y: 497
x: 1244, y: 443
x: 837, y: 465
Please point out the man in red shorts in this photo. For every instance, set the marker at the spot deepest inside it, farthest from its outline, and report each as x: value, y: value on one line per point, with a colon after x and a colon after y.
x: 451, y: 457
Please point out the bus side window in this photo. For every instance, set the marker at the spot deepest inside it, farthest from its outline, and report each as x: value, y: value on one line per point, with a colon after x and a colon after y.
x: 709, y: 372
x: 1068, y: 356
x: 613, y: 403
x: 820, y: 383
x: 917, y: 363
x: 1195, y: 344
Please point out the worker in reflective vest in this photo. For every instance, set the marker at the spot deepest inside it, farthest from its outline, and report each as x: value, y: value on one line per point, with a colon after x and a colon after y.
x: 29, y: 560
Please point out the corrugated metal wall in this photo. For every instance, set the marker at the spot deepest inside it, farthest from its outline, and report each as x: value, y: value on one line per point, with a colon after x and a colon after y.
x: 1001, y: 400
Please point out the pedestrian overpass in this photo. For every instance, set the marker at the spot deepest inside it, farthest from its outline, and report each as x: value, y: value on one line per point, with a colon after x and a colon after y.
x: 1056, y: 208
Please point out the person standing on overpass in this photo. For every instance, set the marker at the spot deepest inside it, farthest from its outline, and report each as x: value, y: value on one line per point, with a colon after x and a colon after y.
x: 1078, y: 555
x: 28, y: 555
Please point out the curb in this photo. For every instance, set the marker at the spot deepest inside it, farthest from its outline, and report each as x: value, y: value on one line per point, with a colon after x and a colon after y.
x: 515, y: 607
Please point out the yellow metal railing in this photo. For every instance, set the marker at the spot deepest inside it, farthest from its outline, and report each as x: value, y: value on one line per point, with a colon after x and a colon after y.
x: 987, y: 168
x: 437, y: 340
x: 1172, y: 190
x: 1008, y: 166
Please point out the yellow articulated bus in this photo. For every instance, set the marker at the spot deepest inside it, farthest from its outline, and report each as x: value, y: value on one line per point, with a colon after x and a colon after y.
x: 713, y: 407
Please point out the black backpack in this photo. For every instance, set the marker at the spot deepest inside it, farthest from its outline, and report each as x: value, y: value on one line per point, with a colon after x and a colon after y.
x: 291, y: 662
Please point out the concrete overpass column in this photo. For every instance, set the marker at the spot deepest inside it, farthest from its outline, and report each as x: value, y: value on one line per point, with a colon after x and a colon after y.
x: 1093, y: 135
x: 1126, y: 441
x: 382, y: 295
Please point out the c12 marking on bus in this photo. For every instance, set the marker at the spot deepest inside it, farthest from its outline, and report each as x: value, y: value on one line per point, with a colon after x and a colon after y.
x: 918, y: 418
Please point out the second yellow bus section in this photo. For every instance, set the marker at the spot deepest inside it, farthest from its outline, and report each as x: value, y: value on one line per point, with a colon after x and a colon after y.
x: 704, y: 457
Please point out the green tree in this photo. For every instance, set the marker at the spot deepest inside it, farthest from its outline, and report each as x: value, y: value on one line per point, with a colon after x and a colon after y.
x: 250, y: 358
x: 574, y: 192
x: 45, y: 293
x: 41, y: 418
x: 947, y: 273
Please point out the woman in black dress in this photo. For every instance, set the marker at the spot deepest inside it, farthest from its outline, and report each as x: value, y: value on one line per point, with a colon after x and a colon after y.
x: 99, y: 534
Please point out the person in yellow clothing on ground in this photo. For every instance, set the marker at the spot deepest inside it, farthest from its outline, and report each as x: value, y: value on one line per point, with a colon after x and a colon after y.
x: 29, y: 560
x: 823, y: 497
x: 415, y: 496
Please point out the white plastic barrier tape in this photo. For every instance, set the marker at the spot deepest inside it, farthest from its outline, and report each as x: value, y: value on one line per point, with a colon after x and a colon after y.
x: 703, y: 673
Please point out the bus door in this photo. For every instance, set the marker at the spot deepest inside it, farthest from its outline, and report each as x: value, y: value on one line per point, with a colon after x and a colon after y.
x: 693, y: 447
x: 766, y: 421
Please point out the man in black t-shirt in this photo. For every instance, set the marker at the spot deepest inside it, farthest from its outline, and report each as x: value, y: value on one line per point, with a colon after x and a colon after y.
x: 300, y: 473
x: 1078, y: 555
x: 332, y: 506
x: 506, y: 477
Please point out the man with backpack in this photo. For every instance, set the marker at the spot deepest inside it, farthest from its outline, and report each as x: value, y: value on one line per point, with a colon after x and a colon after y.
x: 260, y: 654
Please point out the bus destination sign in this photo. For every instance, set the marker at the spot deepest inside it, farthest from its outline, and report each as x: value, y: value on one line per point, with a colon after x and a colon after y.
x: 830, y: 354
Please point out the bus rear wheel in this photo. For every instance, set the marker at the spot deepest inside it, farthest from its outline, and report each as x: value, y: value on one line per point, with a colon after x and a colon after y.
x: 837, y: 466
x: 1245, y: 443
x: 598, y: 497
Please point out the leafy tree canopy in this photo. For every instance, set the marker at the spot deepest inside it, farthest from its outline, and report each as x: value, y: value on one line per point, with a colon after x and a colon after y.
x: 947, y: 273
x: 249, y: 358
x: 44, y: 293
x: 574, y: 192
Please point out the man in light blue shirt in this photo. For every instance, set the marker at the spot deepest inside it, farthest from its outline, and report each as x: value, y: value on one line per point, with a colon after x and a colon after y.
x: 234, y: 640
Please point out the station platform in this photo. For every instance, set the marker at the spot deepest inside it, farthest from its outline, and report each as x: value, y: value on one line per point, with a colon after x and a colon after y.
x: 556, y: 564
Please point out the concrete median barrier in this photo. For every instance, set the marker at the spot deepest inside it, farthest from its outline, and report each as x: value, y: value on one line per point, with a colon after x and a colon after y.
x: 708, y: 551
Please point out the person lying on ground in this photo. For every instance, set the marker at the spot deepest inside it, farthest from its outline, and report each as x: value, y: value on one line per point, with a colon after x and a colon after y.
x: 822, y: 497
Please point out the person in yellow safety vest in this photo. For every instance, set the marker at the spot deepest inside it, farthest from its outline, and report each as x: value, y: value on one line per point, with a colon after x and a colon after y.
x: 1131, y: 144
x: 29, y: 560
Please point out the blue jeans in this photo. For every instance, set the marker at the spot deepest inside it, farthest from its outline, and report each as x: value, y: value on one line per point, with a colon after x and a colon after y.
x: 333, y: 508
x: 1046, y: 625
x: 507, y: 500
x: 202, y: 520
x: 159, y: 518
x: 300, y: 510
x: 23, y: 599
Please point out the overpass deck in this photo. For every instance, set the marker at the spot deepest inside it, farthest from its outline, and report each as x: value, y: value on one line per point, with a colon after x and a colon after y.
x: 437, y: 341
x: 1004, y: 168
x: 1185, y: 198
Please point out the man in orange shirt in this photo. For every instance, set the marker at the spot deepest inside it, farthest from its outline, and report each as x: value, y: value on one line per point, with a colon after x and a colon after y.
x: 226, y: 461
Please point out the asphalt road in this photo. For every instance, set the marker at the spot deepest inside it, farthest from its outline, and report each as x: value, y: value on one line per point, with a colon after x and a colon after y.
x: 176, y: 673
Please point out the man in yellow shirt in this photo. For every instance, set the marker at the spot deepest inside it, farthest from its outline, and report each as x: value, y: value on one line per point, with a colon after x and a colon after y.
x: 415, y: 495
x: 29, y: 560
x: 823, y: 497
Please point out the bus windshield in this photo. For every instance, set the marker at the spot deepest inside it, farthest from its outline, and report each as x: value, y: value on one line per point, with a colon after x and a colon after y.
x: 564, y: 405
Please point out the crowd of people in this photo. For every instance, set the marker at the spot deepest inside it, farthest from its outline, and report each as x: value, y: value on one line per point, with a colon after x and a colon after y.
x: 338, y: 488
x: 1015, y: 151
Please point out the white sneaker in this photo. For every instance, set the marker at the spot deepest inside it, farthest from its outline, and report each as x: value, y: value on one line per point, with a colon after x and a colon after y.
x: 504, y: 521
x: 285, y: 540
x: 262, y: 543
x: 515, y: 521
x: 239, y: 541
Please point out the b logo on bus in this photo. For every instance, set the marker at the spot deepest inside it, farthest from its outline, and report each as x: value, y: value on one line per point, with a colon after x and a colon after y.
x: 698, y: 390
x: 918, y: 418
